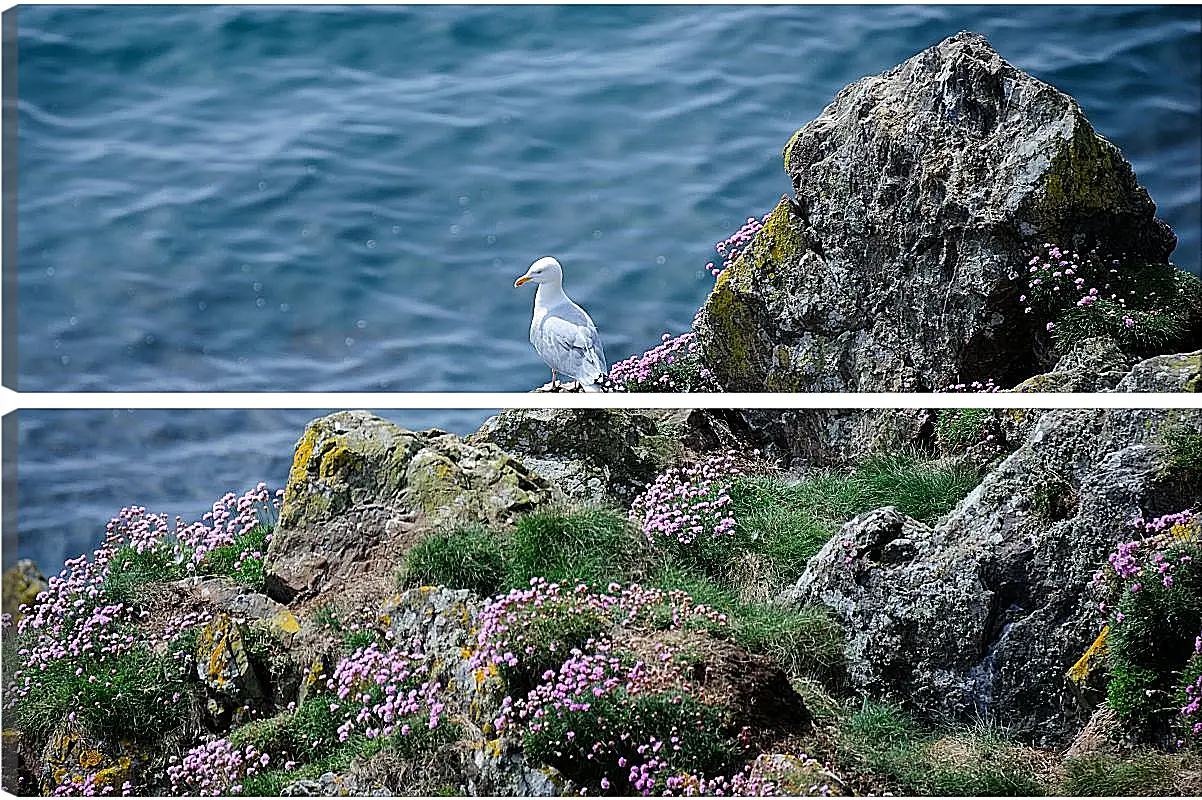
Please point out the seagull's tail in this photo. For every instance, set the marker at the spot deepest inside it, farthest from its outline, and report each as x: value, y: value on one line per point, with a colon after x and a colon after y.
x: 601, y: 381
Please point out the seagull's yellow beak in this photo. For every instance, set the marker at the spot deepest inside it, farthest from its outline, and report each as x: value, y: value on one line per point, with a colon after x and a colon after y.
x: 521, y: 280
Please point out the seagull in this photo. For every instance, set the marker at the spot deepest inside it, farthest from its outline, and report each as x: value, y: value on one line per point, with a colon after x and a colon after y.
x: 562, y: 333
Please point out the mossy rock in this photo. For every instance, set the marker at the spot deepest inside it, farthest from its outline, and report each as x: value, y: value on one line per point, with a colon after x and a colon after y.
x: 74, y: 754
x: 223, y: 665
x: 363, y: 490
x: 21, y: 584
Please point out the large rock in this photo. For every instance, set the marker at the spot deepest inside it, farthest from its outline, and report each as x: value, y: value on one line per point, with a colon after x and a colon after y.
x: 363, y: 490
x: 590, y: 454
x: 21, y: 584
x: 983, y: 615
x: 920, y: 195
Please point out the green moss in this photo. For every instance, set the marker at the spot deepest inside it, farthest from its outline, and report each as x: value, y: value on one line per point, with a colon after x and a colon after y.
x: 728, y: 311
x: 1082, y: 179
x: 789, y: 150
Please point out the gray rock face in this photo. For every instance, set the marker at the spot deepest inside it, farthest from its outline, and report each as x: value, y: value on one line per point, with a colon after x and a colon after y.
x: 986, y: 612
x: 363, y: 490
x: 590, y: 454
x: 920, y: 194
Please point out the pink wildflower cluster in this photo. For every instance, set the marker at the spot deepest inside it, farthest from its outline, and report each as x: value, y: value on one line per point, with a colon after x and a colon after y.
x: 592, y: 674
x: 736, y: 244
x: 675, y: 365
x: 688, y: 503
x: 988, y: 387
x: 1192, y: 710
x: 216, y: 768
x: 378, y: 691
x: 508, y: 634
x: 1058, y: 280
x: 1148, y: 558
x: 230, y: 518
x: 75, y: 625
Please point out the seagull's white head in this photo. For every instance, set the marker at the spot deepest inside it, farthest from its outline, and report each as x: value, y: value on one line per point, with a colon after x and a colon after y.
x: 545, y: 270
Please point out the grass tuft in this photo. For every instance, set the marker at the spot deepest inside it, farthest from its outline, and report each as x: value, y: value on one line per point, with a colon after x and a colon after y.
x: 590, y: 545
x: 465, y: 558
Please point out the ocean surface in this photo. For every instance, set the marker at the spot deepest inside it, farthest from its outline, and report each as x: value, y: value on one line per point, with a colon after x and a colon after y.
x: 274, y: 198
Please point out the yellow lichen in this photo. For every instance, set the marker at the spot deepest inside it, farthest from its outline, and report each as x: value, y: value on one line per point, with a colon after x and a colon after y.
x: 286, y: 621
x: 1078, y: 673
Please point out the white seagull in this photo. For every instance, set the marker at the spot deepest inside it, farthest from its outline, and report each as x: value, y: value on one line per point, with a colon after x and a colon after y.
x: 561, y: 332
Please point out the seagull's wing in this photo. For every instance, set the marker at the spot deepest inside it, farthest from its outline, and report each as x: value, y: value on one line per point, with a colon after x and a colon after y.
x: 568, y: 341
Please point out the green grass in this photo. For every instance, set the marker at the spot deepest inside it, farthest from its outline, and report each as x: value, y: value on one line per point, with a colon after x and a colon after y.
x: 892, y: 749
x: 224, y: 560
x: 957, y: 429
x: 291, y: 735
x: 1099, y: 775
x: 465, y: 558
x: 788, y: 522
x: 130, y: 571
x: 923, y: 490
x: 806, y: 641
x: 134, y: 685
x: 589, y: 545
x: 1182, y: 454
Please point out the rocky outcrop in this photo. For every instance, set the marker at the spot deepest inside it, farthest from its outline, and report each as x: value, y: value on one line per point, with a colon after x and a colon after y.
x: 984, y: 614
x: 590, y: 454
x: 363, y: 490
x: 919, y: 196
x: 22, y: 582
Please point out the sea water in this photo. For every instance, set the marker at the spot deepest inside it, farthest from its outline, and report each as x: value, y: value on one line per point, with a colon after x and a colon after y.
x: 325, y: 198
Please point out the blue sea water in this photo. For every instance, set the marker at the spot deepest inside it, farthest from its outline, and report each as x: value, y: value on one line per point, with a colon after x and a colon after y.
x: 275, y: 198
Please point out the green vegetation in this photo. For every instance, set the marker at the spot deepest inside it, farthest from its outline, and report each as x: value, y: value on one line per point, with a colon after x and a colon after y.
x: 1102, y: 775
x: 104, y: 692
x: 238, y: 560
x: 131, y: 571
x: 310, y: 735
x: 887, y: 745
x: 787, y: 523
x: 1148, y: 650
x: 589, y: 545
x: 805, y: 642
x: 957, y: 429
x: 564, y: 741
x: 1182, y: 452
x: 465, y: 558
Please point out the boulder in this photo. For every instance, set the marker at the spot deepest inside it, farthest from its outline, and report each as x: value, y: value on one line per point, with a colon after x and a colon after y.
x: 1175, y: 372
x: 984, y: 615
x: 1094, y: 365
x: 224, y: 666
x: 440, y: 623
x: 78, y: 761
x: 919, y: 197
x: 21, y: 584
x: 590, y: 454
x: 363, y: 490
